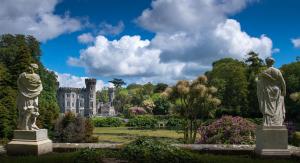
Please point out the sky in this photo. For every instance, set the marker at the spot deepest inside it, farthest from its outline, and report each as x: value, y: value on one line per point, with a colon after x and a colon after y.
x: 155, y: 41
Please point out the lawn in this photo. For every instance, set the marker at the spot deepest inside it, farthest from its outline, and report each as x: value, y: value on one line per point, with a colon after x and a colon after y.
x: 125, y: 134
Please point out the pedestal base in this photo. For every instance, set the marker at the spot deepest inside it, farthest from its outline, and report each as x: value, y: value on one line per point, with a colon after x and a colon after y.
x: 30, y: 143
x: 272, y: 141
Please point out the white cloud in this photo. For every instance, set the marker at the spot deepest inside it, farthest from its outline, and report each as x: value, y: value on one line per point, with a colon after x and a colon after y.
x: 35, y: 17
x: 296, y: 42
x: 189, y: 36
x: 128, y: 57
x: 85, y: 38
x: 109, y: 29
x: 68, y: 80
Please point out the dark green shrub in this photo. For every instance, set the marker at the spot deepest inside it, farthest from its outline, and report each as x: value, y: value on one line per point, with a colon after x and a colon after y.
x: 296, y: 139
x: 161, y: 107
x: 153, y: 150
x: 175, y: 123
x: 107, y: 122
x: 143, y: 122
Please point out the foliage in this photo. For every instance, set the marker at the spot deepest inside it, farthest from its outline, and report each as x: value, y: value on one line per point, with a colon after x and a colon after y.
x: 107, y: 122
x: 117, y: 82
x: 161, y: 106
x: 16, y: 53
x: 133, y: 111
x: 295, y: 96
x: 228, y: 130
x: 296, y: 139
x: 102, y: 96
x: 175, y: 123
x: 196, y: 100
x: 229, y: 76
x: 73, y: 129
x: 153, y: 150
x: 148, y: 104
x: 143, y: 122
x: 160, y: 87
x: 291, y: 76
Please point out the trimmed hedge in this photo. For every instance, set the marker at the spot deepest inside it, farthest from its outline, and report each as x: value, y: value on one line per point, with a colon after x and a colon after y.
x: 143, y: 122
x: 107, y: 122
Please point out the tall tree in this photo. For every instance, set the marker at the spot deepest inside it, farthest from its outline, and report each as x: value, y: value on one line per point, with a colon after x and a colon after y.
x: 117, y: 82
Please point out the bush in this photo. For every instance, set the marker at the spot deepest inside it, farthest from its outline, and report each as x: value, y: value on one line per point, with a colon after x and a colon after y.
x: 175, y: 123
x: 107, y: 122
x: 228, y: 130
x: 143, y: 122
x: 153, y: 150
x: 296, y: 139
x: 161, y: 106
x: 73, y: 129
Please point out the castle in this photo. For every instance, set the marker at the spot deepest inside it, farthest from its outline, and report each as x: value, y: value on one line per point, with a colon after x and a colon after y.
x: 79, y: 100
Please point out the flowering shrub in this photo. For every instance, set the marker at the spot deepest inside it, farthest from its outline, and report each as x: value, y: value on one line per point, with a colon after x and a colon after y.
x: 228, y: 130
x: 137, y: 111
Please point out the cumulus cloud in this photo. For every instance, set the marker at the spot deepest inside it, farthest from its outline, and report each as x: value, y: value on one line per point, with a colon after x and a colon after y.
x: 296, y: 42
x: 85, y: 38
x: 68, y: 80
x: 127, y: 57
x: 35, y: 17
x: 109, y: 29
x: 189, y: 36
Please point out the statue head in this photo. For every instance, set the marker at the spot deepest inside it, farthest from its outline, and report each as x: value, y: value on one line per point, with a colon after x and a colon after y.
x: 270, y: 61
x: 33, y: 67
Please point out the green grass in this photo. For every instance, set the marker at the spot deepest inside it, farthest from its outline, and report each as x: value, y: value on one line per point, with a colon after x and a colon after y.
x: 125, y: 135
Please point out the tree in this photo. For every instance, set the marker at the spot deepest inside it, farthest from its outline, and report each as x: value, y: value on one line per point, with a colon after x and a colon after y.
x: 160, y: 87
x: 255, y: 66
x: 291, y: 75
x: 229, y: 76
x: 117, y: 82
x: 161, y: 106
x: 196, y: 101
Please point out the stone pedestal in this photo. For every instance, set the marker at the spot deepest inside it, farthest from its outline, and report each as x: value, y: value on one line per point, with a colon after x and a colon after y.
x: 272, y: 141
x: 29, y: 143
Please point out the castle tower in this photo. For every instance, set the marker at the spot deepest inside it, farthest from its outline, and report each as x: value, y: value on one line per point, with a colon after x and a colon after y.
x: 90, y: 97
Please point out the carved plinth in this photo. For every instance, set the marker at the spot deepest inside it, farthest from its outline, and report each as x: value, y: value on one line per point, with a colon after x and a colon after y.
x: 272, y: 141
x: 30, y: 143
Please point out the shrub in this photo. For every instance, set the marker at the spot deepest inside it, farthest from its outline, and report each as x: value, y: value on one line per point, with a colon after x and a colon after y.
x: 296, y: 139
x: 175, y: 123
x: 153, y: 150
x: 143, y: 122
x: 73, y: 129
x: 161, y: 106
x: 228, y: 130
x: 107, y: 122
x: 137, y: 111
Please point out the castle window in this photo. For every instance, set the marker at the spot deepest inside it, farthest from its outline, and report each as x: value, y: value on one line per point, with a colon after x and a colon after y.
x: 91, y: 95
x: 68, y: 103
x: 68, y: 94
x: 72, y: 104
x: 73, y: 95
x: 91, y: 104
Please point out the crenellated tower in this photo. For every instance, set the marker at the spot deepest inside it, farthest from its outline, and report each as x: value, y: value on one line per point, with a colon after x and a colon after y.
x: 90, y: 97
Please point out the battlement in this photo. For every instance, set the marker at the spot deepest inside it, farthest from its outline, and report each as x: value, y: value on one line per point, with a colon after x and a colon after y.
x: 70, y: 89
x: 90, y: 81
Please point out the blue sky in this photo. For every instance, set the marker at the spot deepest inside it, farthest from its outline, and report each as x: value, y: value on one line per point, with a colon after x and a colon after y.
x: 155, y: 41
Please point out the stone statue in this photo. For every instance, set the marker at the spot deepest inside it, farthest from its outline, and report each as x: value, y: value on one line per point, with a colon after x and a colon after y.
x: 30, y: 86
x: 271, y: 90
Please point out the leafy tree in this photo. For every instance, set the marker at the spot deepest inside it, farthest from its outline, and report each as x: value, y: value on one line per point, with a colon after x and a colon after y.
x: 196, y: 101
x: 229, y: 76
x: 291, y: 76
x: 102, y: 95
x: 255, y: 66
x: 161, y: 106
x: 117, y: 82
x: 160, y: 87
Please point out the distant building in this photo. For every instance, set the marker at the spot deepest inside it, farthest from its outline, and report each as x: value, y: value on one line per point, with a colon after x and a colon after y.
x: 107, y: 109
x: 78, y: 100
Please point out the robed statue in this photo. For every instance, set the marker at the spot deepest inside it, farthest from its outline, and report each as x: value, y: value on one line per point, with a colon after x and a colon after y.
x: 271, y: 90
x: 29, y: 86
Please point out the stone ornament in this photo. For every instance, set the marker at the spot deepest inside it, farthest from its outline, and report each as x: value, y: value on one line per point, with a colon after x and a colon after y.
x: 271, y: 90
x: 29, y: 86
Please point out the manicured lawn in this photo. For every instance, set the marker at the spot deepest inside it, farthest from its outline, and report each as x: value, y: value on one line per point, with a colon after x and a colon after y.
x: 125, y: 135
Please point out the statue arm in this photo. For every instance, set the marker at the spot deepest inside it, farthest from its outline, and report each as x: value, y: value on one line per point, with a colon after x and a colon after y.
x: 267, y: 76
